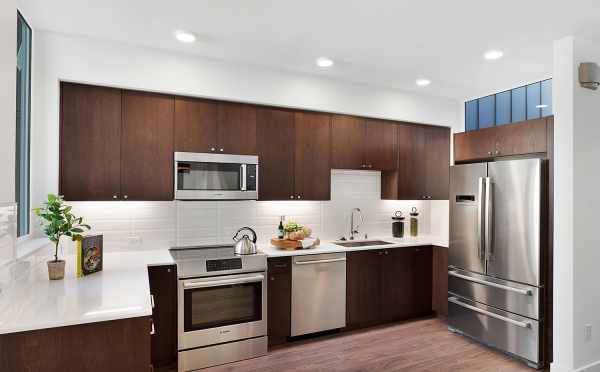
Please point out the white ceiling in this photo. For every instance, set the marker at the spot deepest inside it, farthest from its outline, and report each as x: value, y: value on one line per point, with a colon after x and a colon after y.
x: 377, y: 42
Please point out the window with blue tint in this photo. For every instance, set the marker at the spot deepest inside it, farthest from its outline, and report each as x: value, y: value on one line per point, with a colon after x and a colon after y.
x: 487, y: 112
x: 546, y: 97
x: 534, y: 101
x: 518, y: 101
x: 503, y: 108
x: 471, y: 116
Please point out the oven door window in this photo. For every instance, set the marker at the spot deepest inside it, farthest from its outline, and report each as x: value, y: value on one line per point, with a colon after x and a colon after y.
x: 222, y: 305
x: 209, y: 176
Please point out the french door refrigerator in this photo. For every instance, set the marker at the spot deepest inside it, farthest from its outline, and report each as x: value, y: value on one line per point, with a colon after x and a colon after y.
x: 498, y: 247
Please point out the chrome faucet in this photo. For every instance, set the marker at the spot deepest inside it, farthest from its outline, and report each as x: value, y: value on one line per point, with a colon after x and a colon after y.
x: 354, y: 227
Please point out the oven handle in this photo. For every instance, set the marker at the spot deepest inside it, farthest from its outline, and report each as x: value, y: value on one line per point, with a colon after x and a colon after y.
x: 221, y: 282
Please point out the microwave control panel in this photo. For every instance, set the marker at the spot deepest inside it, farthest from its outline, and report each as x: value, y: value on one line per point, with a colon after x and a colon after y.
x: 224, y: 264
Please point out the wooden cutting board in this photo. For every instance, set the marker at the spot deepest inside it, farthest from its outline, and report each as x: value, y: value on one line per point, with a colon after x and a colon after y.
x: 290, y: 245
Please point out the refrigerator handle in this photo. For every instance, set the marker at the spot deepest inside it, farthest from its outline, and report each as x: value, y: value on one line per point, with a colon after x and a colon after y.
x: 480, y: 219
x: 489, y: 216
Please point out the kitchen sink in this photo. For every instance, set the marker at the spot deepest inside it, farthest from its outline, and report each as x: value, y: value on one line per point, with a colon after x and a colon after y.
x: 364, y: 243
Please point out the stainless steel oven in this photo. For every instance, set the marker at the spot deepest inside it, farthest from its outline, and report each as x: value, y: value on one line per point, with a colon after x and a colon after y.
x: 200, y: 176
x: 221, y: 319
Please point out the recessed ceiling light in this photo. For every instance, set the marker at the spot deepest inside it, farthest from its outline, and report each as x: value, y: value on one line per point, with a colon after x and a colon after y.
x: 493, y: 54
x: 184, y: 36
x: 324, y: 62
x: 423, y: 82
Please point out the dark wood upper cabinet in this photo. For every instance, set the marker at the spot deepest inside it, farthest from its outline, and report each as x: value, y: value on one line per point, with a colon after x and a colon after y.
x: 347, y: 142
x: 236, y: 131
x: 527, y: 137
x: 423, y: 164
x: 163, y: 288
x: 380, y: 145
x: 312, y: 165
x: 275, y: 144
x: 90, y: 142
x: 195, y: 125
x: 359, y: 143
x: 437, y: 162
x: 147, y: 146
x: 279, y: 301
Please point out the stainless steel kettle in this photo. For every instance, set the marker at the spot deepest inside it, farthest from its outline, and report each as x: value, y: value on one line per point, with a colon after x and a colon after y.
x: 244, y: 245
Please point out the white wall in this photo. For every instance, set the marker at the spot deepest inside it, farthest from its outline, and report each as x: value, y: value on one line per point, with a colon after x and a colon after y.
x: 8, y: 63
x: 577, y: 253
x: 159, y: 225
x: 63, y: 57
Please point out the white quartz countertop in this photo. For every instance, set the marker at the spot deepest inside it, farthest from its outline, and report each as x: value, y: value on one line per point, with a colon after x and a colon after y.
x: 120, y: 291
x: 330, y: 247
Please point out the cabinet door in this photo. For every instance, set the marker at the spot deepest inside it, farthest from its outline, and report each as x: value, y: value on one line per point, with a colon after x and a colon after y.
x: 363, y: 288
x: 347, y: 142
x: 90, y: 142
x: 522, y: 138
x: 398, y: 285
x: 275, y: 145
x: 163, y: 289
x: 422, y: 266
x: 437, y: 164
x: 279, y: 301
x: 195, y: 125
x: 312, y: 165
x: 381, y: 151
x: 475, y: 145
x: 236, y: 132
x: 412, y: 162
x: 147, y: 146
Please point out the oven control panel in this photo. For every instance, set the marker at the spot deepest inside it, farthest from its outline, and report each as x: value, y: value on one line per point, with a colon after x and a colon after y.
x: 224, y: 264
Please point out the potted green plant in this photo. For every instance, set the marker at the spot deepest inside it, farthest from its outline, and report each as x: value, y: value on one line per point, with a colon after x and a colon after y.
x: 58, y: 221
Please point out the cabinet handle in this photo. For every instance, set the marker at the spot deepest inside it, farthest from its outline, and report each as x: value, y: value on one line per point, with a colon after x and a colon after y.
x: 221, y: 150
x: 497, y: 152
x: 212, y: 149
x: 489, y: 153
x: 272, y: 278
x: 291, y: 196
x: 152, y: 330
x: 370, y: 165
x: 152, y: 300
x: 386, y: 252
x: 363, y: 166
x: 280, y: 265
x: 298, y: 196
x: 124, y: 196
x: 115, y: 196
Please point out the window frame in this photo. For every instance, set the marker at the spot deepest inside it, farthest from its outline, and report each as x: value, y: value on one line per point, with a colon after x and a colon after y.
x: 24, y: 226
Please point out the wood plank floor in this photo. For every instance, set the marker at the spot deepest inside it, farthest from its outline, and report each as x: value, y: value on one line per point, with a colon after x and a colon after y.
x: 419, y: 346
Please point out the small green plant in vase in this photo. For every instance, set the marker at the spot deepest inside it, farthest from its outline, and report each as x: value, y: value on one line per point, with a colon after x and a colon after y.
x: 58, y: 221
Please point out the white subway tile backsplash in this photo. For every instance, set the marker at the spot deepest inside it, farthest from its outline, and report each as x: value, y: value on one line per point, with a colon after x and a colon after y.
x: 156, y: 225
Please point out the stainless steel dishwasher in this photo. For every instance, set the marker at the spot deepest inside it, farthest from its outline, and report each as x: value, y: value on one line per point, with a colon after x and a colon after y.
x: 318, y: 293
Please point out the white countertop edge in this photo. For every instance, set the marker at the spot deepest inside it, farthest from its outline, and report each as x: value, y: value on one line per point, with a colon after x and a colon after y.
x: 331, y: 247
x: 119, y: 315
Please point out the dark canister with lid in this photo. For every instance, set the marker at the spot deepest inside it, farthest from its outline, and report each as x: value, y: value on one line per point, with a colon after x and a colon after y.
x: 398, y: 225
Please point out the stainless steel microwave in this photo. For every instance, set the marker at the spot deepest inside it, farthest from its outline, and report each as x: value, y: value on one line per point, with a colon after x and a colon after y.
x: 200, y: 176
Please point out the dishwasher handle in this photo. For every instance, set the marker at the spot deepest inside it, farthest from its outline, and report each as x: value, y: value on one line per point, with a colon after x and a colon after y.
x: 312, y: 262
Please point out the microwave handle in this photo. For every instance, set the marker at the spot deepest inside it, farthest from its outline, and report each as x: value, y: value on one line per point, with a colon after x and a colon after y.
x: 243, y: 177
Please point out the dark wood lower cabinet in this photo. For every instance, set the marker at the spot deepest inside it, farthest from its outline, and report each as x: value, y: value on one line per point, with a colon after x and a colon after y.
x: 440, y: 281
x: 363, y: 286
x: 279, y: 299
x: 163, y: 288
x: 117, y: 346
x: 387, y: 285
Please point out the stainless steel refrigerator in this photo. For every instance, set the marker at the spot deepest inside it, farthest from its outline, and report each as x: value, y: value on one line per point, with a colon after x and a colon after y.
x: 498, y: 249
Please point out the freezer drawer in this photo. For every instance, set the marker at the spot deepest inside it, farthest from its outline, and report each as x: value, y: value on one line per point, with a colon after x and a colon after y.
x: 318, y: 293
x: 514, y: 297
x: 502, y: 330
